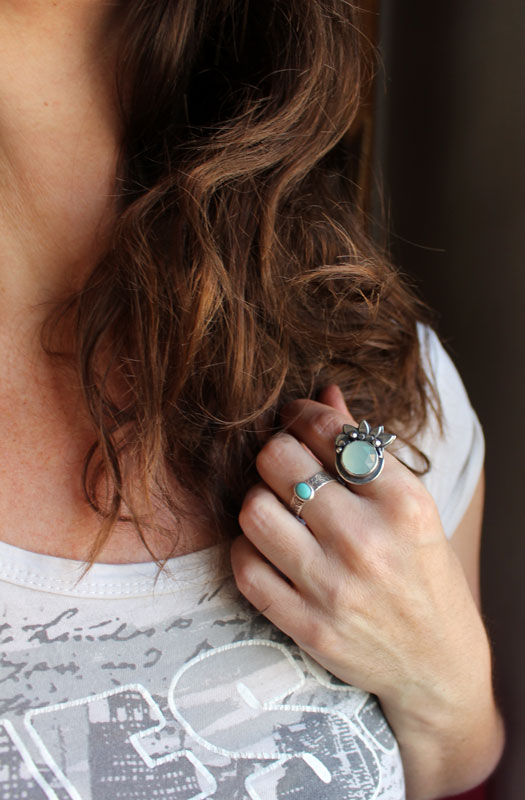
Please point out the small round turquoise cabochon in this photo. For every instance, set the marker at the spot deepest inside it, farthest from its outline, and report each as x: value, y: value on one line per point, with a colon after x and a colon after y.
x: 359, y: 458
x: 303, y: 491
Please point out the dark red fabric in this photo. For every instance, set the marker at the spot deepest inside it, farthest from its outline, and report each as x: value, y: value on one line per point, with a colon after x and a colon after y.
x: 474, y: 794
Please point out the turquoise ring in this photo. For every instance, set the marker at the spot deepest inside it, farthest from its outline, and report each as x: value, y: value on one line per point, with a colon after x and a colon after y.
x: 359, y: 452
x: 304, y: 491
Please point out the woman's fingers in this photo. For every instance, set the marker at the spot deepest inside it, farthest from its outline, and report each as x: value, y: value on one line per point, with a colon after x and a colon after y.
x: 343, y: 516
x: 265, y: 589
x: 332, y: 511
x: 317, y: 426
x: 278, y: 535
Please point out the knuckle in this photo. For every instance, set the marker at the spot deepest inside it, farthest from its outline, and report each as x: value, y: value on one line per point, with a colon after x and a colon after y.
x: 308, y: 573
x: 334, y: 596
x: 412, y: 506
x: 245, y: 578
x: 317, y: 636
x: 249, y: 587
x: 254, y: 510
x: 274, y: 451
x: 248, y: 576
x: 325, y: 424
x: 324, y: 641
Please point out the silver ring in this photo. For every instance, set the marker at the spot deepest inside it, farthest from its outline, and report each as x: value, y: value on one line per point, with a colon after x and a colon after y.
x: 359, y: 452
x: 304, y: 491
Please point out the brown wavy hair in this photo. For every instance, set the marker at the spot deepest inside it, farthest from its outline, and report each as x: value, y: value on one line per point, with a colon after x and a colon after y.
x: 239, y: 273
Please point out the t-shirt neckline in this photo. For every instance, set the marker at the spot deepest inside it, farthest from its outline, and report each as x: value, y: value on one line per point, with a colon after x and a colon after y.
x: 66, y: 576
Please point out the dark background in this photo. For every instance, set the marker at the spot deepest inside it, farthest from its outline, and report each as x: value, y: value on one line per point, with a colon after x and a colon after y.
x: 449, y: 144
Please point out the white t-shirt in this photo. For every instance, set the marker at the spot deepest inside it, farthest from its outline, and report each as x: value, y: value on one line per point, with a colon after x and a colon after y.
x: 117, y: 685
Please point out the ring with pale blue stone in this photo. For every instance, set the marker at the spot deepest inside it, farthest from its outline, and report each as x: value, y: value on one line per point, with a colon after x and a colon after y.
x: 305, y: 490
x: 359, y: 452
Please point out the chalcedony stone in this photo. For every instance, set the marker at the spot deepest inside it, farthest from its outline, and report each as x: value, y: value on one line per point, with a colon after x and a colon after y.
x: 359, y: 458
x: 303, y: 491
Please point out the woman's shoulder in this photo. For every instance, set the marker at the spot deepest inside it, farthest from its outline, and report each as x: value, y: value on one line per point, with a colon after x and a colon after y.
x: 456, y: 447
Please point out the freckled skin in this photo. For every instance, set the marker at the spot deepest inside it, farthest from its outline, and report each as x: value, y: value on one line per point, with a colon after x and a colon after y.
x: 59, y: 138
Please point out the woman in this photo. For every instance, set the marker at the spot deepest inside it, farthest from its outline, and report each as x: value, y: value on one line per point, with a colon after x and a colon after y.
x: 188, y: 297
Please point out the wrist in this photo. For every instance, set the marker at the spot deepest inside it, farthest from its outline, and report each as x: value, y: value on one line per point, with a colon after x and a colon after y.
x: 449, y: 740
x: 440, y: 762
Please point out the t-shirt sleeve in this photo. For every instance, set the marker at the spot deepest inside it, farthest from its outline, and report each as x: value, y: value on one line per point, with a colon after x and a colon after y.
x: 457, y: 452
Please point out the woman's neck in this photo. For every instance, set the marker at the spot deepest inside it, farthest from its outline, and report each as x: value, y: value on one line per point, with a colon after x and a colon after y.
x: 88, y: 21
x: 59, y: 137
x: 59, y: 140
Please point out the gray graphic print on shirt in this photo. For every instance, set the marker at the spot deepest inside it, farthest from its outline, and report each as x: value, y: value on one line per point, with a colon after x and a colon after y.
x: 209, y: 701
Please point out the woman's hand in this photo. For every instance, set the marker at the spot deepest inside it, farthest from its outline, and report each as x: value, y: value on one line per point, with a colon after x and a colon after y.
x: 372, y: 590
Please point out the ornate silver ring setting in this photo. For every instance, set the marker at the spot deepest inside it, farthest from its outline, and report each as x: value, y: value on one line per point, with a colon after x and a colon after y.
x: 359, y: 452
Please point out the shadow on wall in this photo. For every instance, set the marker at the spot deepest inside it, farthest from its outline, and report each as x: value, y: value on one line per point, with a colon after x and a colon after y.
x: 450, y: 148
